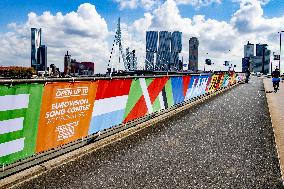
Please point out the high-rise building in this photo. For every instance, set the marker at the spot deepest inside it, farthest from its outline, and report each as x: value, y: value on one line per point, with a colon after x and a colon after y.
x: 149, y: 62
x: 260, y: 48
x: 151, y: 48
x: 67, y: 64
x: 246, y: 63
x: 151, y: 41
x: 248, y: 50
x: 176, y: 44
x: 259, y: 62
x: 35, y: 44
x: 176, y: 47
x: 193, y: 54
x: 42, y: 57
x: 38, y: 51
x: 164, y: 51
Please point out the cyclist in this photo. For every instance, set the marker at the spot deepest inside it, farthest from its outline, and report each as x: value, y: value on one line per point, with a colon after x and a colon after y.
x: 276, y: 79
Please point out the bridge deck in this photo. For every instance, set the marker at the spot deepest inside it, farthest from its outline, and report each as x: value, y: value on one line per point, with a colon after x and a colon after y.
x: 227, y: 142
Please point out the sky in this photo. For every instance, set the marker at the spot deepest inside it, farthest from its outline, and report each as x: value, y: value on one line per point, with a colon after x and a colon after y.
x: 86, y: 28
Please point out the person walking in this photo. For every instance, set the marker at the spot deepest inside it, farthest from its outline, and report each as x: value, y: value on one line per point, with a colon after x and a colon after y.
x: 276, y: 79
x: 247, y: 75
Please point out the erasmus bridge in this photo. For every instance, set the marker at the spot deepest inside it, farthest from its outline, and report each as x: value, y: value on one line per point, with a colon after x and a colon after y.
x: 205, y: 130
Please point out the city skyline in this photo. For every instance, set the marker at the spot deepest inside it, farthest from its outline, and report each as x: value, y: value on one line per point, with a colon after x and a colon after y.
x: 87, y: 29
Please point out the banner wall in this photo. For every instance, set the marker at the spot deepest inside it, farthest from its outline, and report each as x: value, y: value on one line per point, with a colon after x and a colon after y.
x: 19, y: 114
x: 35, y: 118
x: 65, y: 113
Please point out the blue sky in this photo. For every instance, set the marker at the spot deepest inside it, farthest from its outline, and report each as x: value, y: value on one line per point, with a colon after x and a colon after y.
x: 17, y: 10
x: 221, y: 25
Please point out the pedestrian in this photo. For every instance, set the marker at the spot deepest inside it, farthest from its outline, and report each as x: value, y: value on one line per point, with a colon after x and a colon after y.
x: 276, y: 79
x: 247, y: 75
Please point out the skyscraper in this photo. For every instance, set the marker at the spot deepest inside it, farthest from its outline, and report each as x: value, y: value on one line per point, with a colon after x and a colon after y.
x: 167, y: 53
x: 35, y: 44
x: 259, y: 49
x: 38, y: 51
x: 164, y: 51
x: 193, y: 54
x: 248, y: 56
x: 67, y: 64
x: 259, y: 62
x: 42, y: 57
x: 176, y: 47
x: 248, y: 50
x: 151, y: 49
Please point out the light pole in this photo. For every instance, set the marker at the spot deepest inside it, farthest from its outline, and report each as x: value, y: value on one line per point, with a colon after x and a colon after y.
x: 280, y: 48
x: 271, y: 63
x: 205, y: 62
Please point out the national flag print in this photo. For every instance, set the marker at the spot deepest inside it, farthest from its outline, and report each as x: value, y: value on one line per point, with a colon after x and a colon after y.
x: 177, y: 89
x: 109, y: 105
x: 214, y: 83
x: 19, y: 114
x: 186, y: 81
x: 168, y: 94
x: 226, y: 80
x: 144, y: 97
x: 208, y: 84
x: 191, y: 88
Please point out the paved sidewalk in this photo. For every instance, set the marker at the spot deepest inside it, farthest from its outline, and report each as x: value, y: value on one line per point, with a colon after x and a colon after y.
x: 276, y: 108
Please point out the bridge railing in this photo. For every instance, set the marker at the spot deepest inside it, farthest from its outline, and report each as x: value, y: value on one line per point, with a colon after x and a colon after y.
x: 37, y: 116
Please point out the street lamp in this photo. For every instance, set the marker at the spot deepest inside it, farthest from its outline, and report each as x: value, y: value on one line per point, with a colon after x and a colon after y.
x: 280, y: 48
x: 263, y: 56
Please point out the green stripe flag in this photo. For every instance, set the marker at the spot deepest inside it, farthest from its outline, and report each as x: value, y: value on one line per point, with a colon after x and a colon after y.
x: 19, y: 114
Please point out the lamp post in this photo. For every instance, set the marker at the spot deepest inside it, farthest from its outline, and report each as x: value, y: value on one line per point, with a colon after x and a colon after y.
x: 263, y: 56
x: 271, y: 63
x: 280, y: 48
x: 205, y: 62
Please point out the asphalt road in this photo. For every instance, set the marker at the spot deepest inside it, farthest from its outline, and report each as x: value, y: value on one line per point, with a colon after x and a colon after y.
x: 227, y: 142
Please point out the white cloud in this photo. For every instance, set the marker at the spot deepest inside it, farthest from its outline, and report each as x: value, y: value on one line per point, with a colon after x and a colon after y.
x: 198, y: 3
x: 83, y: 33
x: 261, y: 2
x: 221, y: 40
x: 150, y: 4
x: 131, y: 4
x: 213, y: 35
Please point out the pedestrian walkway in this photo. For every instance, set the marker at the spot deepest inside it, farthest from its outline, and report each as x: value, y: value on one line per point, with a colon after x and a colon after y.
x: 276, y: 107
x: 227, y: 142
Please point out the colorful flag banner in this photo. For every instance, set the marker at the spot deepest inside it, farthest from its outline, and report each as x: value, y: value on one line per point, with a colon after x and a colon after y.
x: 65, y: 113
x: 110, y: 104
x: 19, y: 113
